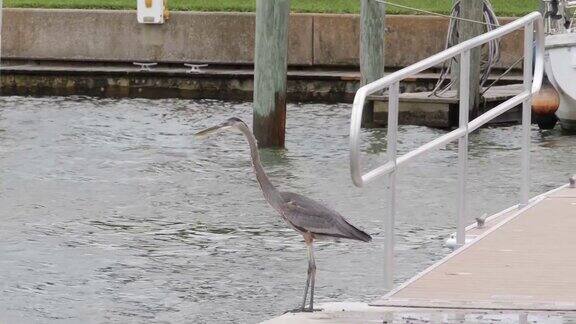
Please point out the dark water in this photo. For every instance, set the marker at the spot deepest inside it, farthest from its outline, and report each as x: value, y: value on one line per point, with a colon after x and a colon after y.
x: 112, y: 212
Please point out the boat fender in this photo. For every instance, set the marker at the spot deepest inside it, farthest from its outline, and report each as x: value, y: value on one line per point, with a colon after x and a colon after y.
x: 546, y: 101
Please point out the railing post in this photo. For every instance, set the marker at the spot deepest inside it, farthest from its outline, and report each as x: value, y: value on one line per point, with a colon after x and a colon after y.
x: 527, y: 114
x: 463, y: 146
x: 392, y: 153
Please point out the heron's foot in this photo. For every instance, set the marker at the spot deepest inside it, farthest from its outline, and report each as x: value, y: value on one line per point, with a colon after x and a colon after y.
x: 303, y: 310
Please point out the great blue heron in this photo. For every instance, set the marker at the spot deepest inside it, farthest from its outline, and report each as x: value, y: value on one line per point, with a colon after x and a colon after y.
x: 306, y: 216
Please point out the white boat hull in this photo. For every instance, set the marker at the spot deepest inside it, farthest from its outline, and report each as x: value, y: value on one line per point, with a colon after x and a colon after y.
x: 561, y: 71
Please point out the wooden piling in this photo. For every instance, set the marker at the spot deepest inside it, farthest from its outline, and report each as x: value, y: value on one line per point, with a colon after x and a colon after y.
x: 472, y: 10
x: 1, y: 14
x: 372, y: 30
x: 270, y: 66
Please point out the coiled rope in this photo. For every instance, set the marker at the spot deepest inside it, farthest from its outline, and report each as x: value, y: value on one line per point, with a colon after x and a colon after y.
x: 491, y: 52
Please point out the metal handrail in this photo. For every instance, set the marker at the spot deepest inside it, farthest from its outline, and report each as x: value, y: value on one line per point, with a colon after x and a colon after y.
x: 533, y: 30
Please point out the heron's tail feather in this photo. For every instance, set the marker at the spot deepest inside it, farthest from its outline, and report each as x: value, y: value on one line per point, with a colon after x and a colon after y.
x: 358, y: 234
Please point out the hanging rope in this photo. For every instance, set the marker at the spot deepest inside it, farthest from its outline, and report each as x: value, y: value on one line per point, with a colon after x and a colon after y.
x: 502, y: 75
x: 490, y: 54
x: 392, y: 4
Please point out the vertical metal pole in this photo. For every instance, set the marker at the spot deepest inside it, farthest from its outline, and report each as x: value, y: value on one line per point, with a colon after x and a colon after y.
x: 392, y: 153
x: 270, y: 66
x: 463, y: 146
x: 527, y: 114
x: 372, y: 30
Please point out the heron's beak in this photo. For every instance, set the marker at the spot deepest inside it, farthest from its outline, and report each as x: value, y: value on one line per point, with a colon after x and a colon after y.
x: 213, y: 129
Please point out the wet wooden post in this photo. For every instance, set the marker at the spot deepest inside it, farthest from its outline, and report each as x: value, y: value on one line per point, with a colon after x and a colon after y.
x: 270, y: 66
x: 471, y: 10
x: 1, y: 13
x: 372, y: 29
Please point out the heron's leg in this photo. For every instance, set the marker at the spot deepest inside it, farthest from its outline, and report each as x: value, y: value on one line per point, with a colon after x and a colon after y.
x: 307, y: 282
x: 312, y: 275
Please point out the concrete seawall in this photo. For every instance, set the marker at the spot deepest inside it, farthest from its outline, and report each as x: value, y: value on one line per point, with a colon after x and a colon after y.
x: 324, y: 40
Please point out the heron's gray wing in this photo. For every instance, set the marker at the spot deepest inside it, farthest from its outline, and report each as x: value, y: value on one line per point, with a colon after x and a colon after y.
x: 310, y: 216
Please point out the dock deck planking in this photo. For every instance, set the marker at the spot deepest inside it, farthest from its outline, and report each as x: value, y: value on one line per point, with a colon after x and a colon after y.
x: 526, y: 263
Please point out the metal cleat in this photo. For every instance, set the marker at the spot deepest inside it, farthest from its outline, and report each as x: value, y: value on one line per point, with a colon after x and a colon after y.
x: 573, y: 181
x: 195, y: 68
x: 481, y: 221
x: 145, y: 66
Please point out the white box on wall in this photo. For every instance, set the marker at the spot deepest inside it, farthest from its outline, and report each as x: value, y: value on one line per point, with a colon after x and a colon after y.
x: 150, y: 11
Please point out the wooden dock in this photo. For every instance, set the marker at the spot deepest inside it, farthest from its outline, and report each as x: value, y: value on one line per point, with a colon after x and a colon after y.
x: 519, y: 268
x: 425, y: 109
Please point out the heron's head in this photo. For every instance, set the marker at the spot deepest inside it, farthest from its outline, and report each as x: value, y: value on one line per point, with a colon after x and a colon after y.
x: 228, y: 124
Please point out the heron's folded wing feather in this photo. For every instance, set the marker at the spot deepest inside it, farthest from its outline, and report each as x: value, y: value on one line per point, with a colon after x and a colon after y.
x: 309, y: 215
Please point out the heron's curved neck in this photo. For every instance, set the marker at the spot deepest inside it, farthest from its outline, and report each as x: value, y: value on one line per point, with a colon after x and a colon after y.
x: 271, y: 194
